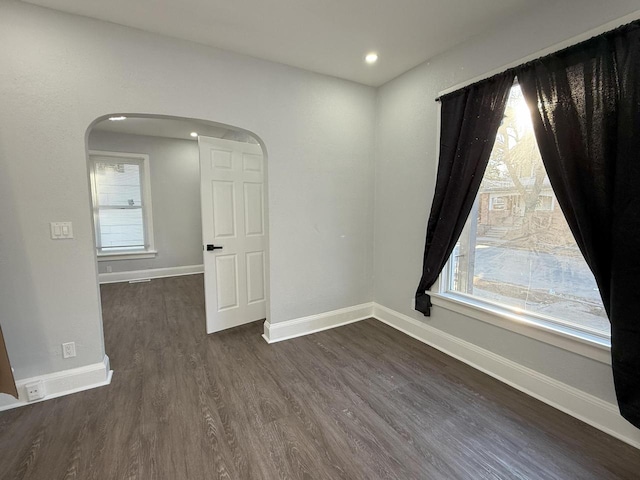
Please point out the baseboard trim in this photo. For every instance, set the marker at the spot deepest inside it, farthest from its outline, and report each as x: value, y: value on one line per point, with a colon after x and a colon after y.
x: 590, y: 409
x: 61, y: 383
x: 277, y: 332
x: 138, y: 275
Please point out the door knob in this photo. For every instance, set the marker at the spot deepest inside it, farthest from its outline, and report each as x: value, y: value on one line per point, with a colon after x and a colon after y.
x: 211, y: 247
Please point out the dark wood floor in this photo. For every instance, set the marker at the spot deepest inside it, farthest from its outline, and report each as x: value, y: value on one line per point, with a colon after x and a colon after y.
x: 359, y: 402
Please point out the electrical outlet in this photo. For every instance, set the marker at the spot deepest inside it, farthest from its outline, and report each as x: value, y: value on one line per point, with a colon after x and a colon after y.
x: 35, y: 390
x: 69, y: 350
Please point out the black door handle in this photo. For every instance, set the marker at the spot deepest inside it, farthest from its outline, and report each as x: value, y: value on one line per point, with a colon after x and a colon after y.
x: 211, y: 247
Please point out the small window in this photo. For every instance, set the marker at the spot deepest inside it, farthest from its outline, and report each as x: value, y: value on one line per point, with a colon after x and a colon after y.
x: 121, y: 200
x: 516, y: 250
x: 498, y: 203
x: 545, y: 203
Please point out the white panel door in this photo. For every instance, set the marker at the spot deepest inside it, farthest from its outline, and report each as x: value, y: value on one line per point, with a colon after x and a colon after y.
x: 233, y: 229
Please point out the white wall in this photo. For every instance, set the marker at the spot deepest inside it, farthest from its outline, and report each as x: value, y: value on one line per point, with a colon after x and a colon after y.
x: 406, y: 136
x: 174, y: 166
x: 58, y: 73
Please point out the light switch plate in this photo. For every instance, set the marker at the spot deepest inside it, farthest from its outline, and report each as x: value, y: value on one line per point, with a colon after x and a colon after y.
x: 61, y: 230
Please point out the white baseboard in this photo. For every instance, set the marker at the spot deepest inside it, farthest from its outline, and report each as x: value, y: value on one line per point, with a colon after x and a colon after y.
x: 61, y: 383
x: 276, y: 332
x: 137, y: 275
x: 581, y: 405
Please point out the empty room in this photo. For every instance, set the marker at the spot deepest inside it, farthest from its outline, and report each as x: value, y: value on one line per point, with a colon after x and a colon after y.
x: 293, y: 239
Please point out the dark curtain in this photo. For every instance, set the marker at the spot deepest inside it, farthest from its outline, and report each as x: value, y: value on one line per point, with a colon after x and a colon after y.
x: 586, y: 114
x: 469, y: 123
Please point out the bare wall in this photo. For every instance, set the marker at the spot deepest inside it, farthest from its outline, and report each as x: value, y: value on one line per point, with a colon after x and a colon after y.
x: 174, y: 166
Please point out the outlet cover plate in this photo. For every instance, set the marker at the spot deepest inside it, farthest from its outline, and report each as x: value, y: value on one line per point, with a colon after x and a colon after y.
x: 35, y: 390
x: 69, y: 350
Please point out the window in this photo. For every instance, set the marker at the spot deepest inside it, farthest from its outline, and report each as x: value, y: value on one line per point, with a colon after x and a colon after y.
x: 498, y: 203
x: 516, y: 250
x: 545, y: 202
x: 121, y: 201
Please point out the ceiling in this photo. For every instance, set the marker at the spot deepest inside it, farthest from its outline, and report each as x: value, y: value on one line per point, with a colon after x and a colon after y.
x: 170, y: 128
x: 325, y: 36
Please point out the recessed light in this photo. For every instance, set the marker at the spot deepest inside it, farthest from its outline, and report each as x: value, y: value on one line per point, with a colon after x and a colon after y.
x: 117, y: 119
x: 371, y: 58
x: 194, y: 134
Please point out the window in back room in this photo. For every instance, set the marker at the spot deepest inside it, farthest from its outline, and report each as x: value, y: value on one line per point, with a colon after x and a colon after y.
x: 121, y: 203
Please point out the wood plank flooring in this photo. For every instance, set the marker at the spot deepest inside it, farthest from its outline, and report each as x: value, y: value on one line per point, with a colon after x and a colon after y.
x: 359, y: 402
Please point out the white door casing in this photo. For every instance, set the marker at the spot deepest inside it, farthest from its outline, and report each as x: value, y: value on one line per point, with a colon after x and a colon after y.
x: 233, y: 217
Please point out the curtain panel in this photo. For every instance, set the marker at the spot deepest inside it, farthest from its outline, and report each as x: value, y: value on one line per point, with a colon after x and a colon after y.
x: 585, y: 104
x: 470, y: 121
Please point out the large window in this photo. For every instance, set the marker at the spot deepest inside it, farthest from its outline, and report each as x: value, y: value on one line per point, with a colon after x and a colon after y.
x: 121, y: 200
x: 516, y: 250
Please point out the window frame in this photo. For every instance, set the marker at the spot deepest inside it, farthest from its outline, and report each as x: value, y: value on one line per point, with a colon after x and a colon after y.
x: 593, y: 346
x: 142, y: 160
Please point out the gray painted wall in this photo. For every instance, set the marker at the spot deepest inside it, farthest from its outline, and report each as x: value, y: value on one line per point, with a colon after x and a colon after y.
x: 174, y: 166
x: 406, y: 136
x: 59, y: 73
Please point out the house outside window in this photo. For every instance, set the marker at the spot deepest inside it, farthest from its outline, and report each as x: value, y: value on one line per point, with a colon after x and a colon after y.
x: 516, y: 250
x: 121, y: 201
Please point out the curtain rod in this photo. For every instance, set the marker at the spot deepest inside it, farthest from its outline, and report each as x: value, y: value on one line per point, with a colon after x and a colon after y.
x: 609, y: 26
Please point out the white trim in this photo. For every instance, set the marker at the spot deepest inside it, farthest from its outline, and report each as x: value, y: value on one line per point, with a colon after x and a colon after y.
x: 590, y: 409
x: 127, y: 255
x: 587, y: 346
x: 61, y: 383
x: 137, y: 275
x: 548, y: 51
x: 277, y: 332
x: 581, y: 405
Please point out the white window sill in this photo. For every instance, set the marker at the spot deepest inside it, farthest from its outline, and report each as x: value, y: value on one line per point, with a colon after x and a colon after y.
x: 591, y: 346
x: 127, y: 255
